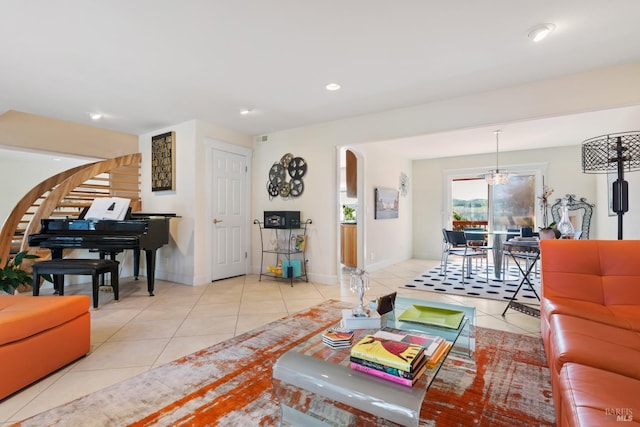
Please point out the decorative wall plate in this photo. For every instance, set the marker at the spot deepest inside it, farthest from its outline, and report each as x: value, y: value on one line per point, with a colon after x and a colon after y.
x: 404, y: 184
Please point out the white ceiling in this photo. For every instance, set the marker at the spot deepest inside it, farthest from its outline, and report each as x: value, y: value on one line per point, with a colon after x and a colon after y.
x: 150, y: 64
x: 525, y: 135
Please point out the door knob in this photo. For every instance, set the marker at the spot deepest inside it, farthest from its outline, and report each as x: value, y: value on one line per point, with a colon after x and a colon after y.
x: 216, y: 220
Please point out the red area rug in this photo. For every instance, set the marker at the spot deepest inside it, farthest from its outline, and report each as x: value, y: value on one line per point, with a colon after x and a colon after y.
x: 229, y: 384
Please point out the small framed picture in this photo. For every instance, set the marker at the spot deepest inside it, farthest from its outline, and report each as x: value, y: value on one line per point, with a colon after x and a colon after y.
x: 387, y: 201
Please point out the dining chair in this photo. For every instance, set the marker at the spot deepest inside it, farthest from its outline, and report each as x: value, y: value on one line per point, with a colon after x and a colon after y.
x: 447, y: 246
x: 476, y: 236
x: 456, y: 244
x: 477, y: 239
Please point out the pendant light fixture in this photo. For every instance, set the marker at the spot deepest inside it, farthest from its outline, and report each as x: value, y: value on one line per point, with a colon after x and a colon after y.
x: 497, y: 176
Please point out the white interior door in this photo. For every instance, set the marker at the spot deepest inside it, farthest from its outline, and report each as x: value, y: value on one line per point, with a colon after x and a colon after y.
x: 229, y: 214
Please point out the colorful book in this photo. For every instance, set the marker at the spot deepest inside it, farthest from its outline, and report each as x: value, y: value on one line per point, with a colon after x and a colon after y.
x: 431, y: 343
x: 388, y: 369
x: 435, y: 359
x: 380, y: 374
x: 389, y: 352
x: 301, y: 243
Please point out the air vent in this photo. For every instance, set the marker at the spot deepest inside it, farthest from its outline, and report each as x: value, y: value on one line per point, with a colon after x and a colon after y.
x: 261, y: 139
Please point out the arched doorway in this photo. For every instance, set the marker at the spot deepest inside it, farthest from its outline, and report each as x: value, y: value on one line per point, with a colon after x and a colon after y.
x: 350, y: 208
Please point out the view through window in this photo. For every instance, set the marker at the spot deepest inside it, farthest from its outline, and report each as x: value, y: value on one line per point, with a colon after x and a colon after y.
x: 470, y: 202
x: 498, y: 207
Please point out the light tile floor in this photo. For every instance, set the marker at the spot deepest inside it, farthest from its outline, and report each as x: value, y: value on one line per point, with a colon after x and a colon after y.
x: 141, y: 332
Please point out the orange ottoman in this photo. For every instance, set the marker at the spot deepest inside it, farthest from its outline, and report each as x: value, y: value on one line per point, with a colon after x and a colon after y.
x: 39, y: 335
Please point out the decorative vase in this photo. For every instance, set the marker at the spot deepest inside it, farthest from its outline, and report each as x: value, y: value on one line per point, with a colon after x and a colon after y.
x: 547, y: 233
x: 564, y: 226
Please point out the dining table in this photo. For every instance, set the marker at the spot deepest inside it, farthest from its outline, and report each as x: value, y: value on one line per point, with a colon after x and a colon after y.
x: 496, y: 242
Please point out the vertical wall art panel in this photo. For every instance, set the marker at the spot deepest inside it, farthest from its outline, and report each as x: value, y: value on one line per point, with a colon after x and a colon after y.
x: 163, y: 162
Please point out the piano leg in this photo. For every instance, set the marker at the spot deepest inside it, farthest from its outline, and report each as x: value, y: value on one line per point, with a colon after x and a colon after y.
x: 136, y: 263
x: 150, y: 256
x: 151, y: 269
x: 58, y: 284
x: 58, y: 279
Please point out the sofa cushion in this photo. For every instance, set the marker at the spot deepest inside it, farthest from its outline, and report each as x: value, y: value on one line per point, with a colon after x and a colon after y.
x: 594, y: 397
x: 621, y: 316
x: 22, y: 316
x: 605, y: 272
x: 593, y: 344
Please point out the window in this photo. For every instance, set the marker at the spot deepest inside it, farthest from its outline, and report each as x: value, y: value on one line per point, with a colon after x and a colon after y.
x: 471, y: 202
x: 514, y: 204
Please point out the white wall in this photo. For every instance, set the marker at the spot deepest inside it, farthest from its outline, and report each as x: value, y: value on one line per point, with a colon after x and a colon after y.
x: 186, y: 259
x: 608, y: 225
x: 564, y: 175
x: 386, y: 241
x: 317, y: 202
x: 607, y: 88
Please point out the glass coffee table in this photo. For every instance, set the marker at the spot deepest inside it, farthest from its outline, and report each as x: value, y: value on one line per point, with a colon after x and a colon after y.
x: 316, y: 387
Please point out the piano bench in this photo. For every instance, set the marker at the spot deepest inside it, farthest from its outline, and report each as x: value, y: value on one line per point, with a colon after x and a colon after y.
x: 74, y: 266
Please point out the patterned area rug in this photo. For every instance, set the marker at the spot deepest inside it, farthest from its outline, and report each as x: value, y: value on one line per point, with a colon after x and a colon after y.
x: 229, y: 384
x: 477, y: 285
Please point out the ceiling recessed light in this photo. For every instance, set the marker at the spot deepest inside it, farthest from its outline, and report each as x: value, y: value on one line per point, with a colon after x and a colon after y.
x: 95, y: 116
x: 539, y: 32
x: 245, y: 111
x: 332, y: 87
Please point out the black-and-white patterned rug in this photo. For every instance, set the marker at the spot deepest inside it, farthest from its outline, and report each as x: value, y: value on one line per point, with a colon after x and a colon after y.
x: 477, y: 285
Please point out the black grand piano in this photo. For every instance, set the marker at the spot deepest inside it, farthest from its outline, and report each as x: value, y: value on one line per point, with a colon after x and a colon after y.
x: 141, y: 231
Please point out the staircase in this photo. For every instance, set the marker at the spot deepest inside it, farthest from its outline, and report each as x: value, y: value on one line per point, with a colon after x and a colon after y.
x: 66, y: 194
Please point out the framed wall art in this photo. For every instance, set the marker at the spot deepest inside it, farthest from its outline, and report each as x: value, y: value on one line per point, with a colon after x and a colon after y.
x: 163, y: 162
x: 387, y: 200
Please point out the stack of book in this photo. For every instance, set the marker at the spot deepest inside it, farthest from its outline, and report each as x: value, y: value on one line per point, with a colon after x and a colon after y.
x: 397, y: 356
x: 337, y: 338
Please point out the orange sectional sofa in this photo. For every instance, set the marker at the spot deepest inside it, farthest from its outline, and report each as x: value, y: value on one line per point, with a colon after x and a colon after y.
x: 590, y: 317
x: 39, y: 335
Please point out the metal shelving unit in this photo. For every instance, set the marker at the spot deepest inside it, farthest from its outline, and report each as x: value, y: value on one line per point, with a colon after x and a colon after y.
x: 285, y: 246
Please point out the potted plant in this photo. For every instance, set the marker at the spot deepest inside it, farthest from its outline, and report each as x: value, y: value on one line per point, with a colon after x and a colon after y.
x: 349, y: 213
x: 548, y: 231
x: 12, y: 275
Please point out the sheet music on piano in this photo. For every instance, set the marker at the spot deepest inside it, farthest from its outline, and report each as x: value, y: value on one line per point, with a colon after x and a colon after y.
x: 108, y: 208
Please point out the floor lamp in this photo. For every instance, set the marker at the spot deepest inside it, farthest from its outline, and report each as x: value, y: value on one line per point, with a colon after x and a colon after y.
x: 616, y: 152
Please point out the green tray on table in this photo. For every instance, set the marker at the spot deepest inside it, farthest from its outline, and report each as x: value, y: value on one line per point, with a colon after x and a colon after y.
x: 434, y: 316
